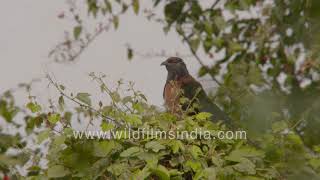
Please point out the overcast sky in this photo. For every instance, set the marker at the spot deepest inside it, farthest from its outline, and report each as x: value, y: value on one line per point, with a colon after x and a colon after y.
x: 30, y: 29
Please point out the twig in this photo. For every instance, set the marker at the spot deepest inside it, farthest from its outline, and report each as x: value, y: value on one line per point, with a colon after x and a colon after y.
x: 60, y: 51
x: 79, y: 103
x: 107, y: 90
x: 185, y: 38
x: 193, y: 99
x: 214, y: 4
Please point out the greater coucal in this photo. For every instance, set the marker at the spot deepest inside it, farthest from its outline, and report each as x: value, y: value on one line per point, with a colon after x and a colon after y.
x: 181, y: 84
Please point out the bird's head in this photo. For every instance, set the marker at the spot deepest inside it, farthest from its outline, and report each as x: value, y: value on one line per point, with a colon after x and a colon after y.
x: 176, y: 67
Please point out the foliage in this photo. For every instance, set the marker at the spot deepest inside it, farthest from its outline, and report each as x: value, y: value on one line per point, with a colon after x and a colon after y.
x: 281, y: 154
x: 268, y: 83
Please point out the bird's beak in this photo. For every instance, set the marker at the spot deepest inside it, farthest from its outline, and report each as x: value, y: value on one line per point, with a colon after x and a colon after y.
x: 164, y: 63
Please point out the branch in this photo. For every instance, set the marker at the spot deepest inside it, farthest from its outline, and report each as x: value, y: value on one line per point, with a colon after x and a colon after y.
x: 185, y: 38
x: 214, y: 4
x: 71, y: 49
x: 79, y: 103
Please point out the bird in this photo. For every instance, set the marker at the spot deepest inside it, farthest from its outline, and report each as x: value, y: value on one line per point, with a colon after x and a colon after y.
x: 181, y: 84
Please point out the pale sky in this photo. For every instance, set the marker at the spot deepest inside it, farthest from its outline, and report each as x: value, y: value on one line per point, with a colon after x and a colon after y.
x: 30, y: 29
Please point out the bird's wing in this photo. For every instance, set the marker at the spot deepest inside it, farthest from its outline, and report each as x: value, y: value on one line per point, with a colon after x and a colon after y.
x: 192, y: 88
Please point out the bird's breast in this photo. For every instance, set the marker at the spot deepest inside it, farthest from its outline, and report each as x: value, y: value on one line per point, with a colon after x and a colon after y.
x: 172, y: 93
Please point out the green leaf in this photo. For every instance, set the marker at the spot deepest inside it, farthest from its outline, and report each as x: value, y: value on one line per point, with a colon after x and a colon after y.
x: 175, y: 174
x: 279, y: 126
x: 245, y: 166
x: 84, y: 97
x: 161, y: 172
x: 207, y: 173
x: 235, y: 47
x: 155, y: 146
x: 115, y: 96
x: 238, y: 154
x: 216, y: 160
x: 173, y: 10
x: 203, y: 116
x: 7, y: 110
x: 138, y: 107
x: 43, y: 135
x: 151, y: 158
x: 33, y: 170
x: 176, y: 145
x: 93, y: 8
x: 136, y: 6
x: 131, y: 152
x: 166, y: 29
x: 68, y: 132
x: 61, y: 103
x: 196, y: 151
x: 194, y: 165
x: 106, y: 126
x: 184, y: 100
x: 130, y: 53
x: 195, y: 9
x: 57, y: 171
x: 33, y: 122
x: 220, y: 22
x: 124, y: 8
x: 67, y: 116
x: 115, y: 21
x: 207, y: 44
x: 127, y: 99
x: 9, y: 161
x: 103, y: 148
x: 218, y: 42
x: 117, y: 169
x: 54, y: 118
x: 254, y: 74
x: 133, y: 119
x: 142, y: 174
x: 108, y: 5
x: 143, y: 97
x: 245, y: 4
x: 77, y: 31
x: 33, y: 107
x: 315, y: 163
x: 202, y: 71
x: 208, y: 27
x: 316, y: 148
x: 59, y: 140
x: 106, y: 110
x: 62, y: 87
x: 99, y: 167
x: 194, y: 44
